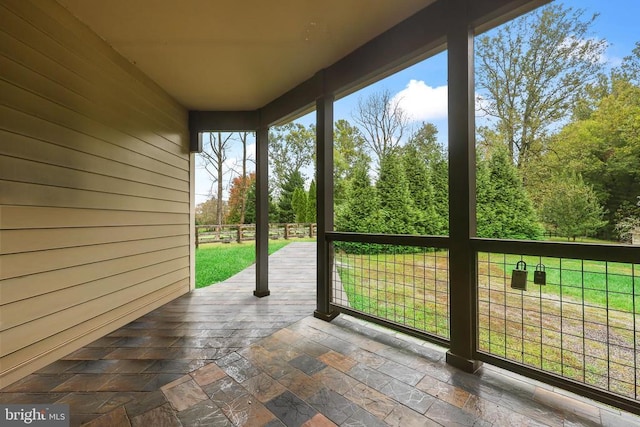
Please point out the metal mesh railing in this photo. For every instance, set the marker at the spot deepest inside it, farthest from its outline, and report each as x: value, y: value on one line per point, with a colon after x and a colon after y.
x: 581, y: 325
x: 403, y: 285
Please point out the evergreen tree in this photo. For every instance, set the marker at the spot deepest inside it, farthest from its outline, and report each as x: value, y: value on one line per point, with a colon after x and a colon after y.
x: 504, y: 209
x: 421, y: 191
x: 397, y: 210
x: 348, y: 148
x: 434, y: 156
x: 439, y: 169
x: 299, y: 204
x: 311, y: 203
x: 359, y: 213
x: 286, y: 212
x: 250, y: 214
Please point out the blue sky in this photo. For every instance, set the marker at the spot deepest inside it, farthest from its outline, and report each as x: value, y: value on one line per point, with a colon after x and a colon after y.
x: 422, y: 87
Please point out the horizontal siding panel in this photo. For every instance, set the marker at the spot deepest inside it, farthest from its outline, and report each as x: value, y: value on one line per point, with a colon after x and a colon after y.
x: 19, y: 193
x: 16, y: 265
x: 15, y: 145
x: 21, y: 312
x: 33, y: 285
x: 38, y: 217
x: 27, y: 171
x: 34, y: 127
x: 37, y: 106
x: 102, y: 323
x: 95, y: 188
x: 94, y: 105
x: 90, y: 85
x: 16, y: 241
x: 21, y: 336
x: 82, y: 51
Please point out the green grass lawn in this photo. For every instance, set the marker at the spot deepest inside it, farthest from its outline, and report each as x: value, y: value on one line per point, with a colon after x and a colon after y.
x: 216, y: 262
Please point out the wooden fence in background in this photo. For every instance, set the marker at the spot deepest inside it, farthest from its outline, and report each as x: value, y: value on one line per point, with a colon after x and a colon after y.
x: 228, y: 233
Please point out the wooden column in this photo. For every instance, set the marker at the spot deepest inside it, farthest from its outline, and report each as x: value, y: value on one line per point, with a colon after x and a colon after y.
x: 324, y: 203
x: 262, y: 212
x: 462, y: 180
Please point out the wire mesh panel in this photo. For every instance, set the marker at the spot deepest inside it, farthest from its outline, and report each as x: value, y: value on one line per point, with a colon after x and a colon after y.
x: 581, y: 325
x: 405, y: 285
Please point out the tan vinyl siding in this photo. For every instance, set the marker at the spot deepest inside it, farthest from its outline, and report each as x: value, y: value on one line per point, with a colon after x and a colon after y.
x: 96, y: 186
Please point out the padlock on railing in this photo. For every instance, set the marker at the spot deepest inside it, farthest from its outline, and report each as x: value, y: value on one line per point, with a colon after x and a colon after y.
x: 519, y: 276
x: 540, y: 275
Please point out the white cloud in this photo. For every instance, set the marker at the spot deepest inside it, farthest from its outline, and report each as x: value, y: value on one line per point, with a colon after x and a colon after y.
x: 422, y: 102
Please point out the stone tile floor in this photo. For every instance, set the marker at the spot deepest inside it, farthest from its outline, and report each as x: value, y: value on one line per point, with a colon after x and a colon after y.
x: 221, y: 357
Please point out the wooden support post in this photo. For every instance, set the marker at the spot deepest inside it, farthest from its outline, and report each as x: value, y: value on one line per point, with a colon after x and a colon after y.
x: 324, y: 202
x: 462, y: 181
x: 262, y: 212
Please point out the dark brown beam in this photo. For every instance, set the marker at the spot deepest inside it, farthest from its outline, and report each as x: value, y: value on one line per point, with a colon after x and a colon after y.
x: 223, y: 121
x: 488, y: 14
x: 417, y: 37
x: 295, y: 103
x: 412, y: 40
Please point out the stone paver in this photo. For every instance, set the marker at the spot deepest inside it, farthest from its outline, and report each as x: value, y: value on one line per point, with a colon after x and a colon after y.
x: 220, y: 356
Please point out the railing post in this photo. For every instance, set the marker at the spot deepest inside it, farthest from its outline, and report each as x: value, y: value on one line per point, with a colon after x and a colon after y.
x: 197, y: 238
x: 286, y: 232
x: 462, y: 180
x: 239, y: 233
x: 311, y: 230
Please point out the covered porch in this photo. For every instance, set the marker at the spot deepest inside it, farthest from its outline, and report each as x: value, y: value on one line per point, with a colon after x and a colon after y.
x: 100, y: 117
x: 219, y: 356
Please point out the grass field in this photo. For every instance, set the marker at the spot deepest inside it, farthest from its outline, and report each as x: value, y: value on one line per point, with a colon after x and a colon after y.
x: 216, y: 262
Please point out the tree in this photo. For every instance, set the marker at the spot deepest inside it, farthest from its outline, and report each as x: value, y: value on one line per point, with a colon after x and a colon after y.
x: 604, y: 149
x: 359, y: 213
x: 311, y: 203
x: 250, y: 216
x: 299, y: 204
x: 572, y: 209
x: 286, y: 212
x: 397, y: 210
x: 382, y: 121
x: 291, y: 148
x: 627, y: 221
x: 434, y: 156
x: 245, y: 183
x: 530, y: 72
x: 206, y: 212
x: 238, y: 199
x: 348, y: 148
x: 503, y: 207
x: 420, y: 190
x: 213, y: 155
x: 630, y: 67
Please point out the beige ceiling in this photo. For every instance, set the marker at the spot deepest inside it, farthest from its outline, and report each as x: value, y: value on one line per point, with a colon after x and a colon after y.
x: 237, y: 54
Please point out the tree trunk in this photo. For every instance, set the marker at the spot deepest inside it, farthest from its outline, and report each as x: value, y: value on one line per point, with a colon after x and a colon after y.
x: 220, y: 160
